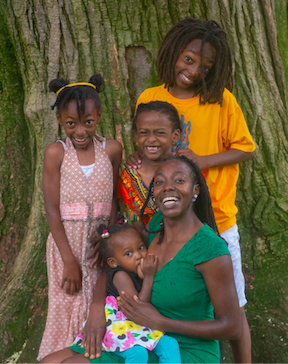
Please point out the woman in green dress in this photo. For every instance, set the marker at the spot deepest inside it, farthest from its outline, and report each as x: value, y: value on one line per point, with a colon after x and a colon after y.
x: 194, y: 277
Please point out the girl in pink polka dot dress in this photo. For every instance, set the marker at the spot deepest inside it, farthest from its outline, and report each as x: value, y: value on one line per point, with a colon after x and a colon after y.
x: 79, y: 184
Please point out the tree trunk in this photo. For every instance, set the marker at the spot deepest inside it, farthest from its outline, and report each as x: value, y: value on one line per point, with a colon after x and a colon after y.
x: 41, y: 40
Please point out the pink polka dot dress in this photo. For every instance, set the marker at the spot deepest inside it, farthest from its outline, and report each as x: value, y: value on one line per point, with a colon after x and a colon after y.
x: 85, y: 202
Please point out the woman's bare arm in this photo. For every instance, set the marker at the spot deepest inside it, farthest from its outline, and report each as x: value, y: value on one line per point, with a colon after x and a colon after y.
x: 218, y: 275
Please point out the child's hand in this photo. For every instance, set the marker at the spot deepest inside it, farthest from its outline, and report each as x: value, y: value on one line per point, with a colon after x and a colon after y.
x: 149, y: 265
x: 72, y: 277
x: 134, y: 161
x: 191, y: 155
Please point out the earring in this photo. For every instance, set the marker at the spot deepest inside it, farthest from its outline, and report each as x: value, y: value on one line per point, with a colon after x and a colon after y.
x: 194, y: 198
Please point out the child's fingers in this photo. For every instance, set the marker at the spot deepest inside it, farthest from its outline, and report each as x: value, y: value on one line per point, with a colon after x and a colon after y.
x: 99, y: 338
x: 72, y: 288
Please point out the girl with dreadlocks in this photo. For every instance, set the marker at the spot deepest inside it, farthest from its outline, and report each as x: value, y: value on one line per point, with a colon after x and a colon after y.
x: 194, y: 64
x: 194, y: 273
x: 79, y: 184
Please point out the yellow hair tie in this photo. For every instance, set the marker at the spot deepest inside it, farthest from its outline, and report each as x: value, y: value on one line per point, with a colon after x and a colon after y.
x: 76, y: 84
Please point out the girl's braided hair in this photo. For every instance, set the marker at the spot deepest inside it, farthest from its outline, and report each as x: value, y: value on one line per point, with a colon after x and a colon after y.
x: 79, y: 93
x: 102, y: 248
x: 177, y: 39
x: 202, y: 206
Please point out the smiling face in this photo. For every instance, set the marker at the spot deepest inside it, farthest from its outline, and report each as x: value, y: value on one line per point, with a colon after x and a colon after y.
x: 189, y: 68
x: 128, y: 250
x: 81, y: 132
x: 174, y: 188
x: 155, y: 135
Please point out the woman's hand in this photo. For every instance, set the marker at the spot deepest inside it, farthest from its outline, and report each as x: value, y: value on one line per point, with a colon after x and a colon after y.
x: 140, y: 312
x: 72, y: 277
x: 94, y: 331
x: 134, y: 161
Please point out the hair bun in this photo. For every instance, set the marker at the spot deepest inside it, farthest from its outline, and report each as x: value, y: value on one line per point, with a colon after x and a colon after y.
x: 56, y: 84
x: 98, y: 81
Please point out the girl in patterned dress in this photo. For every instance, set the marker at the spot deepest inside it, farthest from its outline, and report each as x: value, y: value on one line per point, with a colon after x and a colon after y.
x: 156, y: 127
x: 123, y: 252
x: 79, y: 184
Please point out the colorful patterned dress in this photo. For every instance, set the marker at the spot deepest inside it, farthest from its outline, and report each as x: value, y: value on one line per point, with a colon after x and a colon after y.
x: 121, y: 333
x: 132, y: 194
x: 85, y: 202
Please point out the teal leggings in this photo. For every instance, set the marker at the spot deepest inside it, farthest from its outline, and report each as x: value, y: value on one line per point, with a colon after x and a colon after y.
x: 167, y: 350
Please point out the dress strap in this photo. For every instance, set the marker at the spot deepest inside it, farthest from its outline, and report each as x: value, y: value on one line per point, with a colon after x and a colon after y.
x: 61, y: 141
x: 104, y: 143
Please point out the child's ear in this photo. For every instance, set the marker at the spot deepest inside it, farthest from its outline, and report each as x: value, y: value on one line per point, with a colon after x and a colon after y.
x: 58, y: 116
x: 176, y: 135
x: 112, y: 262
x: 136, y: 136
x: 99, y: 113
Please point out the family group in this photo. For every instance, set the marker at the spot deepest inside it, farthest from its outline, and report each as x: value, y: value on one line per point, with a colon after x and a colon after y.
x: 164, y: 282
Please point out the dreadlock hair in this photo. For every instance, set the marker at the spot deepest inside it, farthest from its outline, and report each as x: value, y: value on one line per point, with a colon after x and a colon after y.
x: 162, y: 107
x: 202, y: 206
x: 103, y: 247
x: 177, y: 39
x: 79, y: 93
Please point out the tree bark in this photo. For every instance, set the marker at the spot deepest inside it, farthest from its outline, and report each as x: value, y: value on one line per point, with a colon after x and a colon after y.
x: 41, y: 40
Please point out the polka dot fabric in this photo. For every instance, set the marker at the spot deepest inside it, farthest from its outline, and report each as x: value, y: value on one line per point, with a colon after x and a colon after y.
x: 67, y: 313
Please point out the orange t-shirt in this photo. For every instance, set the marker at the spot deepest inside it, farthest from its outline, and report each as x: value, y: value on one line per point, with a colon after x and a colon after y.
x: 209, y: 129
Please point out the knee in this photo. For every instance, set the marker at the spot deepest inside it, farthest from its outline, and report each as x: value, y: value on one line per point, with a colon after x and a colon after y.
x: 168, y: 342
x: 140, y: 352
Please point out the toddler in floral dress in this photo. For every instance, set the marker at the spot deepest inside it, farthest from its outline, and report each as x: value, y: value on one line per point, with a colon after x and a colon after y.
x: 122, y: 249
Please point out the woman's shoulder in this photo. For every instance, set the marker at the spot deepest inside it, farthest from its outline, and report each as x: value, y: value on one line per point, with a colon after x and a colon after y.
x: 205, y: 245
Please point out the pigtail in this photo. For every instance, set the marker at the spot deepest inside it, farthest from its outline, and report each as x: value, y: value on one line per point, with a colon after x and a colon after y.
x: 55, y: 85
x: 78, y: 92
x: 98, y: 81
x: 161, y: 230
x: 99, y: 249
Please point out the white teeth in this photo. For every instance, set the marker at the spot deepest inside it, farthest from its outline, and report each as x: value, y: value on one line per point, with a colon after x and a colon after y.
x: 169, y: 200
x: 152, y: 148
x: 186, y: 78
x: 80, y: 140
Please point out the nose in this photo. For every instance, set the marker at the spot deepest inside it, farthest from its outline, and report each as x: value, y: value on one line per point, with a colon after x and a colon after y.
x: 168, y: 186
x: 151, y: 137
x: 80, y: 130
x: 194, y: 70
x: 138, y: 255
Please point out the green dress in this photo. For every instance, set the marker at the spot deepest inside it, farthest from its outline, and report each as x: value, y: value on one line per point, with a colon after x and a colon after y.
x: 180, y: 293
